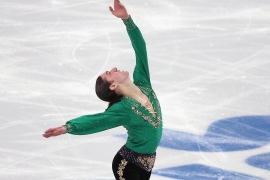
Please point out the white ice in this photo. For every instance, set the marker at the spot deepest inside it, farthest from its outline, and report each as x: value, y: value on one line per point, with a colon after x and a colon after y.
x: 208, y: 60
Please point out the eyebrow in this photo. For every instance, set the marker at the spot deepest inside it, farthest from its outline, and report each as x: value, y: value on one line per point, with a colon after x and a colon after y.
x: 105, y: 74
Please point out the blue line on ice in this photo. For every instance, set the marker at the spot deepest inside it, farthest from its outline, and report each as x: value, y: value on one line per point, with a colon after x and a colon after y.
x: 202, y: 172
x: 232, y: 134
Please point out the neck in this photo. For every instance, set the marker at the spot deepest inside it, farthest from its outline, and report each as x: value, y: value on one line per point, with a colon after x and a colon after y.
x: 130, y: 89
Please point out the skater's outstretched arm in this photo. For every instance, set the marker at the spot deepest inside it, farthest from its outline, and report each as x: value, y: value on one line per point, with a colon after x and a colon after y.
x: 141, y: 73
x: 116, y: 115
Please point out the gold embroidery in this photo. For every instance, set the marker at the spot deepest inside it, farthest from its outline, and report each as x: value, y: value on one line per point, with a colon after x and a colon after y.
x: 154, y: 95
x: 156, y: 114
x: 121, y: 169
x: 146, y: 161
x: 149, y: 106
x: 147, y: 118
x: 68, y: 128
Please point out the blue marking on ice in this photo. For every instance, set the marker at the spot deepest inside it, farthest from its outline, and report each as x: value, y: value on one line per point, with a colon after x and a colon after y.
x: 232, y: 134
x: 260, y: 161
x: 201, y: 172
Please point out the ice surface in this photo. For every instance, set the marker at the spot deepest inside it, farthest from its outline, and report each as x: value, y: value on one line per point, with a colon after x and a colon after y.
x: 209, y: 61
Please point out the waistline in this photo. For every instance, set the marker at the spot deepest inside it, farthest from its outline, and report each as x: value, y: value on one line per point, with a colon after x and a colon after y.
x: 145, y: 161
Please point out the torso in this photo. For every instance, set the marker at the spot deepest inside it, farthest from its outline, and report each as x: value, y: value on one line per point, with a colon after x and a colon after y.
x: 146, y: 105
x: 145, y: 127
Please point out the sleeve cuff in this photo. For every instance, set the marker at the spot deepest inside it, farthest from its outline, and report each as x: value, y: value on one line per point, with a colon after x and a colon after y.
x: 129, y: 23
x: 69, y: 128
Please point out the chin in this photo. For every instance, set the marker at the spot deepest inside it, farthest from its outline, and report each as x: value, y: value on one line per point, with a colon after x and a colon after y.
x: 127, y: 75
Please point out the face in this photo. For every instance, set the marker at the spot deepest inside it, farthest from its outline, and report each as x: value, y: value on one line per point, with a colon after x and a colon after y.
x: 115, y: 76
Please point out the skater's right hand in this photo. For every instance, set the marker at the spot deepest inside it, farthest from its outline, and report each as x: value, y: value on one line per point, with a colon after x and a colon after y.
x: 54, y: 132
x: 119, y: 10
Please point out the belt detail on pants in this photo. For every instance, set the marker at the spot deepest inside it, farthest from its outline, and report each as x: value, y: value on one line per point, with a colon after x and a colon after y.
x: 145, y: 161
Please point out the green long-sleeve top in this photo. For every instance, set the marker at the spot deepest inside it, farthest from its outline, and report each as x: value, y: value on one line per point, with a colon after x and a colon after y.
x: 144, y: 130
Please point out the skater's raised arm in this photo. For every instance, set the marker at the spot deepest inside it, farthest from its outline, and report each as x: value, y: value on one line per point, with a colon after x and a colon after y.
x: 141, y: 73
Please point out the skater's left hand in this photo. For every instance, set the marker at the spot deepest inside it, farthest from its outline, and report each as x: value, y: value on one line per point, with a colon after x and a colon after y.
x: 54, y: 132
x: 119, y: 10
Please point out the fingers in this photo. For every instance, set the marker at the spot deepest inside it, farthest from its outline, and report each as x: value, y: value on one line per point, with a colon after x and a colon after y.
x: 111, y: 9
x: 52, y: 129
x: 121, y: 5
x: 116, y: 1
x: 47, y: 135
x: 49, y: 130
x: 53, y: 132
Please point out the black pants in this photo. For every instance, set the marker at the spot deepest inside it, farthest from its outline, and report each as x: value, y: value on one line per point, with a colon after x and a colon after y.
x: 123, y: 169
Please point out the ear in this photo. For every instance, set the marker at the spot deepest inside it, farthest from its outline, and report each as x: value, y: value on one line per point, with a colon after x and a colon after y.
x: 113, y: 86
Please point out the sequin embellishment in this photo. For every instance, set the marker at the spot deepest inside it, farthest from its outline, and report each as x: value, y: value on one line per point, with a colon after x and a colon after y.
x: 129, y: 23
x: 135, y: 105
x: 146, y: 161
x: 121, y: 168
x: 147, y: 118
x: 68, y: 127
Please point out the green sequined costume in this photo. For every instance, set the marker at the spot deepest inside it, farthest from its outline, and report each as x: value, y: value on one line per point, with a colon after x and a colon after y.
x: 144, y: 130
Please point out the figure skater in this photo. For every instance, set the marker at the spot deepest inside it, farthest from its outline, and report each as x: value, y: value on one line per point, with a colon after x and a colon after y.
x: 133, y: 105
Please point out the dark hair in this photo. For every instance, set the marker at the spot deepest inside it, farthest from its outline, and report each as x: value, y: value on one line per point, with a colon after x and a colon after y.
x: 105, y: 94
